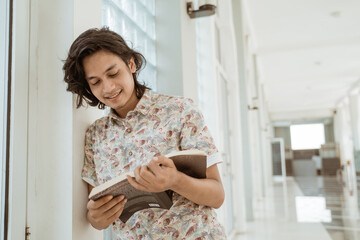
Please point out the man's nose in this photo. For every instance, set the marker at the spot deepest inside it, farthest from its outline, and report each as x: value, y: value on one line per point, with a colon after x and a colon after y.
x: 109, y: 86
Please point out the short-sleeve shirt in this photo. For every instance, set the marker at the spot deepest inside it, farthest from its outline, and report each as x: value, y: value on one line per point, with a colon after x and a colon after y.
x: 158, y: 125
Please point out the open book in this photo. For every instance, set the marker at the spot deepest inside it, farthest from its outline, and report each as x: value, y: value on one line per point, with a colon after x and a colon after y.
x: 190, y: 162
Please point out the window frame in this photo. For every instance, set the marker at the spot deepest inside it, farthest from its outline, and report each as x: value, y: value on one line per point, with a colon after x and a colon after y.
x: 6, y: 36
x: 18, y: 119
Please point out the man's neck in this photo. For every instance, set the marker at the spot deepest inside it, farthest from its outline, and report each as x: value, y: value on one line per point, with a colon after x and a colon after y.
x: 129, y: 106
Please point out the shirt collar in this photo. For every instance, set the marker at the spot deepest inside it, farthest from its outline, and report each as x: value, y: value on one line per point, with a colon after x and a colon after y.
x: 144, y: 106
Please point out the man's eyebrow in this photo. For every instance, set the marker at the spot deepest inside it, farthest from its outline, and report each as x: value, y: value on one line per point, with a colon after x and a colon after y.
x: 108, y: 69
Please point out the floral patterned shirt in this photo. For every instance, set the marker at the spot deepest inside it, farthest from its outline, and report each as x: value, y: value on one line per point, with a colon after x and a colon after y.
x: 159, y: 124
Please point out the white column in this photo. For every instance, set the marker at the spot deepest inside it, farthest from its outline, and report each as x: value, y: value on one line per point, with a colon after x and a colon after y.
x: 246, y: 153
x: 345, y: 136
x: 87, y: 14
x: 188, y: 45
x: 355, y: 119
x: 337, y: 126
x: 175, y: 50
x: 354, y: 107
x: 49, y: 212
x: 57, y: 196
x: 345, y: 131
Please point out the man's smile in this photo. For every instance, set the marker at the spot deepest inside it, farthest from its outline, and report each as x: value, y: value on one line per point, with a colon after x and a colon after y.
x: 114, y: 95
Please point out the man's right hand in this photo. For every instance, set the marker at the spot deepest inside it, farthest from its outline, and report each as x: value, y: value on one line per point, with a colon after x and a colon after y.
x: 104, y: 211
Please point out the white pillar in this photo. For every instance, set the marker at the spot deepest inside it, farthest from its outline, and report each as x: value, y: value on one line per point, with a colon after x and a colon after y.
x: 49, y: 212
x: 175, y: 52
x: 87, y: 14
x: 355, y: 119
x: 354, y: 108
x: 246, y: 154
x: 346, y: 133
x: 57, y: 196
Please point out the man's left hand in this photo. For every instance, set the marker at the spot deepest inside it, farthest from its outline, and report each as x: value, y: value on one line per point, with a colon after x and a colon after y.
x: 158, y: 176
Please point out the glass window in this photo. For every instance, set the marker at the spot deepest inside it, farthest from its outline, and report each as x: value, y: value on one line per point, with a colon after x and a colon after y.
x: 135, y: 22
x: 4, y: 48
x: 307, y: 136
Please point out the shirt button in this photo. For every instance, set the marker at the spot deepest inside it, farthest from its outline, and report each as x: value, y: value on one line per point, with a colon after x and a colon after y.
x: 128, y: 130
x: 130, y: 153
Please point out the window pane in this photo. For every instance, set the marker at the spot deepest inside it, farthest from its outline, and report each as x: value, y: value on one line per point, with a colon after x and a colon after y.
x: 135, y: 22
x: 307, y: 136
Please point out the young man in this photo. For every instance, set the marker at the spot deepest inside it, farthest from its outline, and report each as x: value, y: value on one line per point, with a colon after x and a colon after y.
x: 141, y: 127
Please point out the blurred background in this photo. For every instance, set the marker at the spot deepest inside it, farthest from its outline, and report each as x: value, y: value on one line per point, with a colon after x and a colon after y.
x: 278, y: 83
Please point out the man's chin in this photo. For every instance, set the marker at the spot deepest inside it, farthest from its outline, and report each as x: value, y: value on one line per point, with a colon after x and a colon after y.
x: 118, y: 107
x: 113, y: 105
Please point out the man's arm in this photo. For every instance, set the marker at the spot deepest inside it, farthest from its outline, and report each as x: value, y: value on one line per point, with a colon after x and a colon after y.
x: 161, y: 174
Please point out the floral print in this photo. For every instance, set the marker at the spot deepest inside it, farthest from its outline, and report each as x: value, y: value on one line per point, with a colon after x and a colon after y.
x: 159, y: 124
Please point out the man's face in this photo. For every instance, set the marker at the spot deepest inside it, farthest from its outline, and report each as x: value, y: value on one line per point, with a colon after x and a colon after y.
x: 111, y: 81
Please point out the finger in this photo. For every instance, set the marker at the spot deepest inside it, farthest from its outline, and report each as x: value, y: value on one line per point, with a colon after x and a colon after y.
x: 163, y: 161
x: 98, y: 203
x: 146, y: 174
x: 116, y: 211
x: 139, y: 173
x: 155, y: 166
x: 135, y: 184
x: 106, y: 207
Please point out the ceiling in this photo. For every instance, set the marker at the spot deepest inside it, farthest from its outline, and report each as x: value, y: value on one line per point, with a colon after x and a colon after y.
x: 307, y: 54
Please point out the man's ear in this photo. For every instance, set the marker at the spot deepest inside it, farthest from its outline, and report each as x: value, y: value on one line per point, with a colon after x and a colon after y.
x: 132, y: 65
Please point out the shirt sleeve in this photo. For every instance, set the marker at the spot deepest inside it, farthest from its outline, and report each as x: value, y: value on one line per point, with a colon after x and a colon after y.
x: 196, y: 135
x: 88, y: 173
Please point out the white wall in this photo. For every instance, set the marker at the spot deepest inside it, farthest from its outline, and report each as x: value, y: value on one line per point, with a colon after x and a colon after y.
x: 49, y: 207
x: 87, y: 14
x: 175, y: 50
x: 47, y: 134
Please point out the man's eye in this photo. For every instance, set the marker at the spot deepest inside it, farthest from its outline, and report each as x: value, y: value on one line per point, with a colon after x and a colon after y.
x: 95, y: 83
x: 114, y: 75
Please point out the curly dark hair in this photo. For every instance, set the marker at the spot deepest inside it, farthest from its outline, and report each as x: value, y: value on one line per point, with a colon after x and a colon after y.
x: 87, y: 44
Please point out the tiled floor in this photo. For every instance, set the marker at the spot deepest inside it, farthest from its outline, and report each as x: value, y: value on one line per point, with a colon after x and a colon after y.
x: 342, y: 201
x: 318, y: 208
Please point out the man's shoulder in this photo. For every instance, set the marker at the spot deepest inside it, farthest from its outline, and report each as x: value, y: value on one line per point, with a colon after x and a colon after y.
x: 163, y: 100
x: 99, y: 125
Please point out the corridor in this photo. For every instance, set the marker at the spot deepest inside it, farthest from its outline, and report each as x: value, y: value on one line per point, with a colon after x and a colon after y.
x: 265, y: 75
x: 320, y: 208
